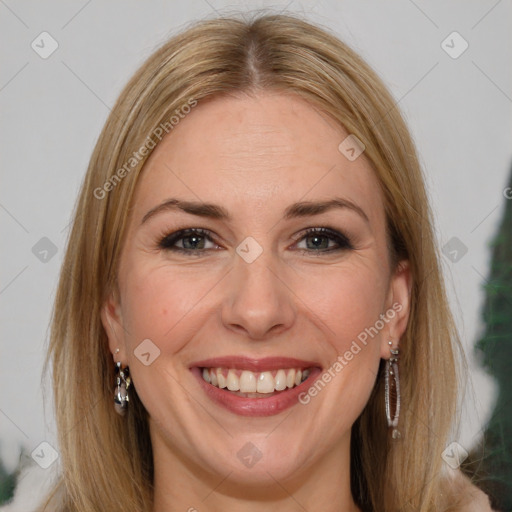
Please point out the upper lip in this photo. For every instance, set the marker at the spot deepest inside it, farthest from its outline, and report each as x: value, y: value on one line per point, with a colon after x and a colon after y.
x: 254, y: 364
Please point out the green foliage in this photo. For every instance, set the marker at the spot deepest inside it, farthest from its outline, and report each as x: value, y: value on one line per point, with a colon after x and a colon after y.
x: 7, y: 483
x: 495, y: 347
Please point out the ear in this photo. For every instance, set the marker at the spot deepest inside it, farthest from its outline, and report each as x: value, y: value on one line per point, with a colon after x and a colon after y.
x: 112, y: 321
x: 397, y: 307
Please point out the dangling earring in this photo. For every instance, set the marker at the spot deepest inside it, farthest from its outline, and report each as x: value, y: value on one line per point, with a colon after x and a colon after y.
x: 392, y: 391
x: 123, y: 381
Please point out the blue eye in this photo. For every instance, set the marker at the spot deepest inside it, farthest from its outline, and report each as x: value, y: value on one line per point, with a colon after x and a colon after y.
x: 197, y: 240
x: 187, y: 241
x: 324, y: 240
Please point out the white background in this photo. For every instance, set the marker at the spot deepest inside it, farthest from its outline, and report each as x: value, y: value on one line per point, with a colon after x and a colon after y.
x: 52, y: 110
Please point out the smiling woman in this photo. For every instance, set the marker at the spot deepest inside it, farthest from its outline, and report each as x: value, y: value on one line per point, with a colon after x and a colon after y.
x: 259, y: 297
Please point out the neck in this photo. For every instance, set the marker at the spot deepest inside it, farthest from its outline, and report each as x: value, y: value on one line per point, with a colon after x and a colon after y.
x: 180, y: 485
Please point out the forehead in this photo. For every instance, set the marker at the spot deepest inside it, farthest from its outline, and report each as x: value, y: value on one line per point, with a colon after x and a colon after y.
x: 249, y: 151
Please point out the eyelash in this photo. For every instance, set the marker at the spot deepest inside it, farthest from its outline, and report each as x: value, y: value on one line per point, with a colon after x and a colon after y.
x: 168, y: 241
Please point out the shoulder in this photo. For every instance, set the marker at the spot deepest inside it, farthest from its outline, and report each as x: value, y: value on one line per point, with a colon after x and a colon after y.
x: 471, y: 498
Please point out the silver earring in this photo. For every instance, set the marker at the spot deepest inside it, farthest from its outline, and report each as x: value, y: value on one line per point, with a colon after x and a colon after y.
x: 392, y: 387
x: 123, y: 381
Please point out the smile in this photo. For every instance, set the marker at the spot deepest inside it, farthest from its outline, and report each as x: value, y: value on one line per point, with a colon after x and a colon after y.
x: 255, y: 387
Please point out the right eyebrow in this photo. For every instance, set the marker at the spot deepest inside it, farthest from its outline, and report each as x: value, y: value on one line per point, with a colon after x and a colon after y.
x: 200, y: 209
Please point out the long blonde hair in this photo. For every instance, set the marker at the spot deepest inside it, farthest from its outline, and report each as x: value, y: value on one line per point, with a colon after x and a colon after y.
x: 106, y: 459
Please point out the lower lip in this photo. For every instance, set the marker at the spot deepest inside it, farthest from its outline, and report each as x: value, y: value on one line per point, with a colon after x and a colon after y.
x: 255, y: 406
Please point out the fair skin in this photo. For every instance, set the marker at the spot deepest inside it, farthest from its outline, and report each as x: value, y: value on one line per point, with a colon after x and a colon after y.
x: 255, y: 156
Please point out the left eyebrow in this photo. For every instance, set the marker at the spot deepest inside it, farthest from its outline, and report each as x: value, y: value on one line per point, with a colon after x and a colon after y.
x: 213, y: 211
x: 308, y: 208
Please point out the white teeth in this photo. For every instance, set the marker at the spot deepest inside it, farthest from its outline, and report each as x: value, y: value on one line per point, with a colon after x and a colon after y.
x: 265, y: 383
x: 280, y: 380
x: 232, y: 381
x: 290, y: 379
x: 221, y: 379
x: 246, y: 381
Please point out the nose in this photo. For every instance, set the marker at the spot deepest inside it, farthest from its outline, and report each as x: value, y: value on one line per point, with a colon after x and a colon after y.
x: 258, y: 303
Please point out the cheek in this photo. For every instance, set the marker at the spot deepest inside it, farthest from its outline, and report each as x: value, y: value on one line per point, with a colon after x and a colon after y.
x: 159, y: 300
x: 347, y: 299
x: 164, y: 305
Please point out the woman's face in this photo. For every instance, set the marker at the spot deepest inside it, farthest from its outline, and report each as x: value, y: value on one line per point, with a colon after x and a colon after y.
x: 255, y: 249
